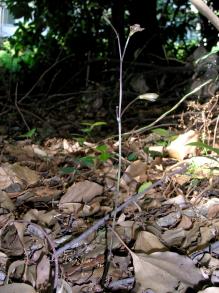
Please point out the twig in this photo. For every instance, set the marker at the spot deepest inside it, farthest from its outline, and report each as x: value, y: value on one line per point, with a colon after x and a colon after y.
x: 207, y: 12
x: 148, y: 127
x: 52, y: 245
x: 42, y: 76
x: 49, y: 240
x: 124, y: 283
x: 135, y: 197
x: 18, y: 109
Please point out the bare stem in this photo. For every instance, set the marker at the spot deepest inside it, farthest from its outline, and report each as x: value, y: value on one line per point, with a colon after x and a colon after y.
x: 133, y: 29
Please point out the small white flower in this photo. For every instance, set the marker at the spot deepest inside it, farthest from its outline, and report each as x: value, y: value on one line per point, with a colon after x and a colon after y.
x: 152, y: 97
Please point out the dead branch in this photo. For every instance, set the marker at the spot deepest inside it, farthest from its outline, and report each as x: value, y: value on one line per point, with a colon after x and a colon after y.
x: 77, y: 241
x: 207, y: 12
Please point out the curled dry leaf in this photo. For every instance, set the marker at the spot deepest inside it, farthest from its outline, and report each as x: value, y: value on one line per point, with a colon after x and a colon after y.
x: 10, y: 174
x: 10, y: 242
x: 163, y: 271
x: 179, y: 148
x: 213, y: 211
x: 43, y: 272
x: 174, y: 237
x: 210, y: 290
x: 6, y: 202
x: 148, y: 243
x: 134, y: 171
x: 71, y: 207
x: 169, y: 220
x: 25, y: 174
x: 177, y: 200
x: 89, y: 210
x: 43, y: 217
x: 63, y: 287
x: 17, y: 288
x: 81, y: 192
x: 185, y: 223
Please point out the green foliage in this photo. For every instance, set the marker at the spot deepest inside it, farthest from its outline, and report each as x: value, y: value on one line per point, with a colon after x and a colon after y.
x: 166, y: 136
x: 144, y: 186
x: 92, y: 160
x: 87, y: 161
x: 11, y: 61
x: 162, y: 132
x: 132, y: 157
x: 205, y: 147
x: 68, y: 170
x: 88, y: 130
x: 179, y: 23
x: 104, y: 154
x: 61, y: 28
x: 30, y: 134
x: 214, y: 50
x: 64, y: 35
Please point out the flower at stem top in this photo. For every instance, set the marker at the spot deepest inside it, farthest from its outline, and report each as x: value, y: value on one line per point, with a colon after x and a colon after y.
x: 134, y: 29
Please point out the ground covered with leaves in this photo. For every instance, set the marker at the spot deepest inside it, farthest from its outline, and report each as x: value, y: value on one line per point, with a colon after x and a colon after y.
x: 58, y: 200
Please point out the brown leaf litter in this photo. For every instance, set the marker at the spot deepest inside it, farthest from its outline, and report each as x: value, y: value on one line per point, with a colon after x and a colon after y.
x: 55, y: 212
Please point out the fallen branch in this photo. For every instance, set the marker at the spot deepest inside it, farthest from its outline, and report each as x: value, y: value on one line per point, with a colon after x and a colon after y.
x: 203, y: 8
x: 150, y: 126
x: 77, y: 241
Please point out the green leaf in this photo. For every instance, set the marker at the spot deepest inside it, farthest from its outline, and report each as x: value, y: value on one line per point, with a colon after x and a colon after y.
x: 155, y: 154
x: 104, y: 157
x: 102, y: 148
x: 87, y: 161
x: 98, y: 123
x: 132, y: 157
x: 29, y: 134
x: 213, y: 51
x: 86, y: 123
x: 144, y: 186
x: 86, y: 130
x: 162, y: 132
x: 205, y: 146
x: 68, y: 170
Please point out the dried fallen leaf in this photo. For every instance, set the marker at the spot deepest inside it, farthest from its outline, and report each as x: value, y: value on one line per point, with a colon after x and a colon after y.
x: 63, y: 287
x: 26, y: 174
x: 148, y: 243
x: 6, y: 202
x: 81, y: 192
x: 213, y: 211
x: 210, y: 290
x: 43, y: 272
x: 179, y: 148
x: 137, y: 168
x: 17, y: 288
x: 164, y: 271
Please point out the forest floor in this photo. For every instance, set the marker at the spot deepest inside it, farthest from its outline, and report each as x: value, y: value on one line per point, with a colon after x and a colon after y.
x: 59, y: 197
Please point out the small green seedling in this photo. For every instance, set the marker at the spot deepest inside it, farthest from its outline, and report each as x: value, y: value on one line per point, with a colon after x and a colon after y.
x: 153, y: 154
x: 104, y: 154
x: 90, y: 126
x: 91, y: 161
x: 132, y: 157
x: 88, y: 131
x: 68, y: 170
x: 144, y: 186
x: 30, y: 134
x: 87, y: 161
x: 205, y: 147
x: 166, y: 136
